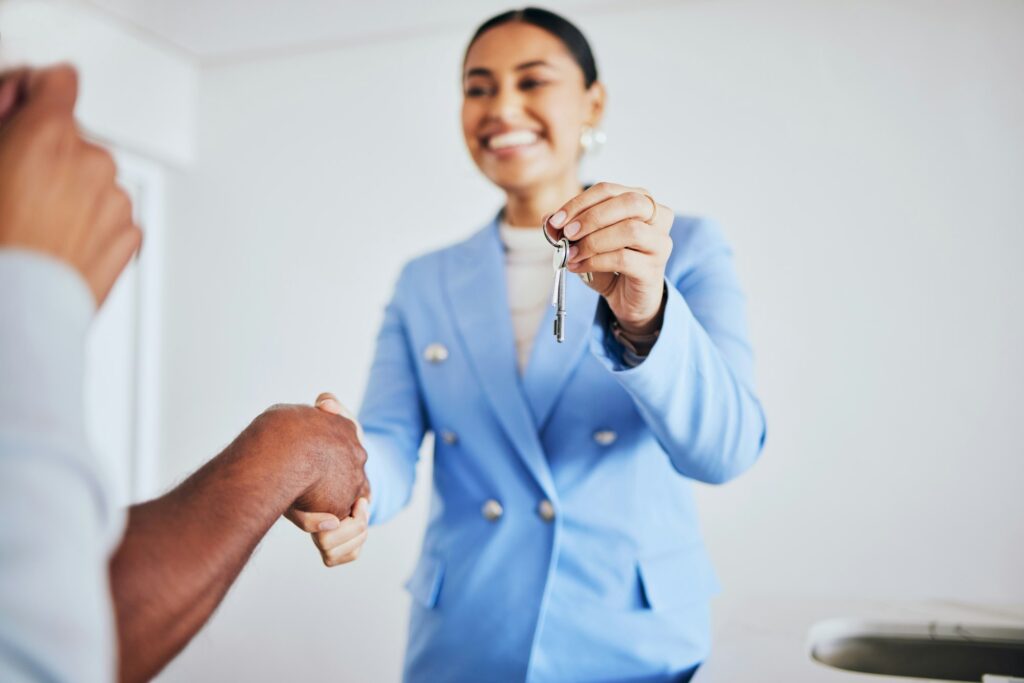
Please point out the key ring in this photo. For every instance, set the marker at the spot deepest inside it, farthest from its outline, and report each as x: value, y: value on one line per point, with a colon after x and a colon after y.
x: 544, y: 229
x: 586, y: 277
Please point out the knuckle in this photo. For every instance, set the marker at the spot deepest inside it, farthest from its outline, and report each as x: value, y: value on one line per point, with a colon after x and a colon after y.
x: 65, y: 75
x: 637, y: 229
x: 603, y: 186
x: 100, y: 164
x: 268, y: 415
x: 274, y: 417
x: 637, y: 200
x: 121, y: 203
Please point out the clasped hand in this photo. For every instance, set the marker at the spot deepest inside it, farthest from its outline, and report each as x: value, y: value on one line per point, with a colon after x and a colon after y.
x: 339, y: 540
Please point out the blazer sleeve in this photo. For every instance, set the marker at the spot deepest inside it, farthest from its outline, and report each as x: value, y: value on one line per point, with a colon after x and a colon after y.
x: 392, y: 416
x: 695, y: 388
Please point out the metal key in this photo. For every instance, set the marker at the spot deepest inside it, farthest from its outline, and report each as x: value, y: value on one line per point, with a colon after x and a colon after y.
x: 559, y: 262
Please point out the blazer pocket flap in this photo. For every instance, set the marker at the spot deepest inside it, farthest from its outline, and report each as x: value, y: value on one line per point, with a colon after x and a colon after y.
x: 425, y: 583
x: 677, y: 578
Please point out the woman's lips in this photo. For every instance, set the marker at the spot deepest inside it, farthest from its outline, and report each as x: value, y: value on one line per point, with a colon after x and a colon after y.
x: 511, y: 142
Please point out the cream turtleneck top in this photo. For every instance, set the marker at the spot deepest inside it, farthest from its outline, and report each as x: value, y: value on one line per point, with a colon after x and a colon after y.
x: 530, y: 281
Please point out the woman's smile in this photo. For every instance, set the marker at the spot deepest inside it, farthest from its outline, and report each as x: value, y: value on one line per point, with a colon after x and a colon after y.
x: 511, y: 143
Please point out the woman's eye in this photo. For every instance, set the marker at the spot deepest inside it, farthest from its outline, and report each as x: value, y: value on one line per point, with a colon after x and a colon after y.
x: 530, y: 84
x: 476, y: 91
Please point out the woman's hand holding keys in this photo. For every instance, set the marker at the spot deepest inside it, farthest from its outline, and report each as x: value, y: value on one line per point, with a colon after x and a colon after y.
x: 620, y: 235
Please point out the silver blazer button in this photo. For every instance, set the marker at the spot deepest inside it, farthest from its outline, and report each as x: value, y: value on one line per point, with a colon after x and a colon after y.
x: 435, y: 353
x: 450, y: 438
x: 492, y: 510
x: 605, y: 437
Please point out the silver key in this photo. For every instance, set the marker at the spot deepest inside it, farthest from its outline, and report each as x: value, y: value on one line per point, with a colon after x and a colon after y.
x: 559, y: 262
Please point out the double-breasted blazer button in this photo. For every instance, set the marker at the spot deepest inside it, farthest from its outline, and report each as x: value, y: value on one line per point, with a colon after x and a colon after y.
x: 546, y: 510
x: 492, y: 510
x: 435, y: 353
x: 605, y: 437
x: 450, y: 438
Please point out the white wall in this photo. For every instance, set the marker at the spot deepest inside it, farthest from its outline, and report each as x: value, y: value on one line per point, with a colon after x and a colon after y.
x: 865, y: 159
x: 133, y: 93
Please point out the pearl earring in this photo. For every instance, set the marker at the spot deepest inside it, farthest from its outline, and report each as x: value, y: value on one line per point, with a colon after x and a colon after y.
x: 592, y: 139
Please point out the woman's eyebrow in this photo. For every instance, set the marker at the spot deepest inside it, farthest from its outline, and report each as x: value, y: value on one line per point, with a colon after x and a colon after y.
x: 536, y: 62
x: 481, y: 71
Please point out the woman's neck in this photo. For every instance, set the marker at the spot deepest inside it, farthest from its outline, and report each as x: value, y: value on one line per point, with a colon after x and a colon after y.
x: 527, y: 208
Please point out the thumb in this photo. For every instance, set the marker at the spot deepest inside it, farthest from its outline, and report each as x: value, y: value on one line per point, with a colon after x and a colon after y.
x: 329, y: 403
x: 312, y: 522
x: 363, y: 509
x: 54, y: 87
x: 602, y: 283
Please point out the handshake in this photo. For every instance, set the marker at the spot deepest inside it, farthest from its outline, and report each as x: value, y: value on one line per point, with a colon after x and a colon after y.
x: 338, y: 536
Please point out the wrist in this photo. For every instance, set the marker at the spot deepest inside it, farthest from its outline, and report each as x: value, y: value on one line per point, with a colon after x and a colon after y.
x: 644, y: 327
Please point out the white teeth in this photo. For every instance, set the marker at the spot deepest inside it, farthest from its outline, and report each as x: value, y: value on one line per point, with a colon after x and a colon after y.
x: 514, y: 138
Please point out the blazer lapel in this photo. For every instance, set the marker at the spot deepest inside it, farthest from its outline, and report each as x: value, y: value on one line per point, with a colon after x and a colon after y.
x: 474, y: 277
x: 551, y: 364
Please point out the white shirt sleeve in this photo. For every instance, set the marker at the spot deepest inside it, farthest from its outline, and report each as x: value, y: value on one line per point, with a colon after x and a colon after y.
x: 56, y: 615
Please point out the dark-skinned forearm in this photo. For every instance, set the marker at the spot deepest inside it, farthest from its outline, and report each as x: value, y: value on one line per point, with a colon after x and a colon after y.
x: 181, y: 552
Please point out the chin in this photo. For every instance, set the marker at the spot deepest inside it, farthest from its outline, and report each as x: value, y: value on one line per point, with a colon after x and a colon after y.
x: 512, y: 179
x: 517, y: 184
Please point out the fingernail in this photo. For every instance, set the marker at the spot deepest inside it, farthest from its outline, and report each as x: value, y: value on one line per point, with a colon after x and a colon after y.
x: 572, y: 229
x: 329, y: 525
x: 558, y: 219
x: 573, y: 250
x: 330, y: 405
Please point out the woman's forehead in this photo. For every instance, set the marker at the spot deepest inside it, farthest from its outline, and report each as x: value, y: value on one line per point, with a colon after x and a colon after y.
x: 511, y: 45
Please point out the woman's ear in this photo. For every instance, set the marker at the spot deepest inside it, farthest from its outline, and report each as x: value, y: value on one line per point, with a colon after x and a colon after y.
x: 596, y: 96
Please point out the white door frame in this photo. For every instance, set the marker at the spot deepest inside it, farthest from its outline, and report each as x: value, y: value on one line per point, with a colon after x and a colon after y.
x: 144, y: 180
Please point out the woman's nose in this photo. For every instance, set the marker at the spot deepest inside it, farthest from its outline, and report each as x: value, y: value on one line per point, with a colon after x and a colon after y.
x: 506, y: 104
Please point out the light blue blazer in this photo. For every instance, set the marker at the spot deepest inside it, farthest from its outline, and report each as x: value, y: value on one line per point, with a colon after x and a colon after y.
x: 563, y: 541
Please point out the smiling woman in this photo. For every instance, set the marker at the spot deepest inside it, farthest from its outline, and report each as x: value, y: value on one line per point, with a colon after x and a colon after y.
x: 530, y: 88
x: 563, y: 543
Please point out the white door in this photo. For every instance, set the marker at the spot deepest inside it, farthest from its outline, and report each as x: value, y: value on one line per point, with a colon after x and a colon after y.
x: 122, y: 351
